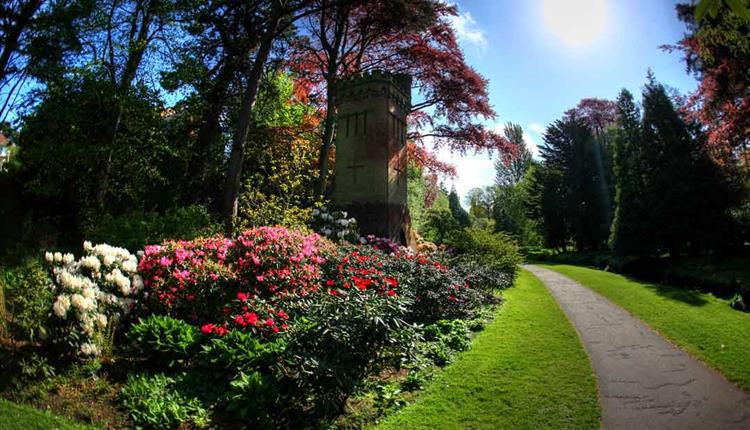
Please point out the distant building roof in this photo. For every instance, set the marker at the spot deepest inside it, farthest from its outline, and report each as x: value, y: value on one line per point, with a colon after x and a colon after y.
x: 4, y: 140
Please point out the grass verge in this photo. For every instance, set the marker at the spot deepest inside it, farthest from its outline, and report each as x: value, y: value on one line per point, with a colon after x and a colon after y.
x: 20, y: 417
x: 526, y: 370
x: 700, y: 323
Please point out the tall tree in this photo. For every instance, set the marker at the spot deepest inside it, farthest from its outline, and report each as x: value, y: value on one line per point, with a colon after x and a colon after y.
x: 569, y: 186
x: 402, y: 36
x: 686, y: 194
x: 277, y: 16
x: 511, y: 168
x: 631, y: 233
x: 458, y: 211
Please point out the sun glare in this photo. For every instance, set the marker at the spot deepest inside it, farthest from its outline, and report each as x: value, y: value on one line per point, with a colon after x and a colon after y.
x: 575, y: 22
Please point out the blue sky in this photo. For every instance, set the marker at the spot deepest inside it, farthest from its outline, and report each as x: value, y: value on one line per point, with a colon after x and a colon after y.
x: 542, y: 56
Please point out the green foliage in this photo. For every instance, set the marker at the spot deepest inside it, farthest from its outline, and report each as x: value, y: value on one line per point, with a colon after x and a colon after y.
x: 458, y: 212
x: 438, y: 225
x: 238, y: 350
x: 572, y: 185
x: 454, y: 334
x: 253, y: 396
x: 153, y: 402
x: 485, y: 247
x: 258, y: 209
x: 28, y: 299
x: 416, y: 193
x: 509, y: 172
x: 671, y: 196
x: 341, y: 342
x: 281, y: 164
x: 165, y: 340
x: 510, y: 209
x: 134, y: 230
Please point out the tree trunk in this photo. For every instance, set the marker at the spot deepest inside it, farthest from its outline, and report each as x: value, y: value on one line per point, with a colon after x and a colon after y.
x: 239, y: 139
x: 329, y: 132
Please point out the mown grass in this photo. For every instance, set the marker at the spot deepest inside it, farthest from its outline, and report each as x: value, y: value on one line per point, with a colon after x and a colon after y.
x: 526, y: 370
x: 700, y: 323
x: 20, y: 417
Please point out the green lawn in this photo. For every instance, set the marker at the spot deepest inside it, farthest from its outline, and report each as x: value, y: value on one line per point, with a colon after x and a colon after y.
x: 700, y: 323
x: 526, y: 370
x: 20, y: 417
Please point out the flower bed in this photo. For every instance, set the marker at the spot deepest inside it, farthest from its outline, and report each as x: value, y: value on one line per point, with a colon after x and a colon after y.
x: 285, y: 325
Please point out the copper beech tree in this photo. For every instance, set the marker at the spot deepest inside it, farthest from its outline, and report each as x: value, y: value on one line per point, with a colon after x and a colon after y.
x: 400, y: 36
x: 717, y: 51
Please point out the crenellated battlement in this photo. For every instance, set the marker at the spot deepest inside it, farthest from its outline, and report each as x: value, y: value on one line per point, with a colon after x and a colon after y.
x: 396, y: 86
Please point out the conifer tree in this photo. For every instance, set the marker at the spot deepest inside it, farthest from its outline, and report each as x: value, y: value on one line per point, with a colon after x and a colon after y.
x: 458, y: 212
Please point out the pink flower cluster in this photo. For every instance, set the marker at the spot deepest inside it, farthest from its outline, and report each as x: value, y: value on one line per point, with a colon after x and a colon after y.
x: 242, y: 283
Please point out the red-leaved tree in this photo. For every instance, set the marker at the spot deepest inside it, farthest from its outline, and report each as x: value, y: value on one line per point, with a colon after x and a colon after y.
x: 401, y: 36
x: 717, y: 52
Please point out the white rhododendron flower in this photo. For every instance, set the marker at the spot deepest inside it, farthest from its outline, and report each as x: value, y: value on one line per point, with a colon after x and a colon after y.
x: 129, y: 266
x: 108, y: 260
x: 61, y: 306
x: 101, y: 321
x: 89, y: 349
x: 91, y: 262
x: 96, y: 296
x: 315, y: 212
x: 137, y: 282
x: 89, y: 293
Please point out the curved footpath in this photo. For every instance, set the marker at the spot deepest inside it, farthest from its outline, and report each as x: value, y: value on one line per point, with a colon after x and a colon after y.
x: 645, y: 382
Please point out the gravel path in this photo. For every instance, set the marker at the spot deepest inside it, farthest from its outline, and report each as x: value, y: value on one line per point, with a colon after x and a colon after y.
x: 645, y: 382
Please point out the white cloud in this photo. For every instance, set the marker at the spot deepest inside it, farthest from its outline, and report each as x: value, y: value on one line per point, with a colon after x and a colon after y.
x: 476, y: 170
x: 536, y: 127
x: 468, y: 31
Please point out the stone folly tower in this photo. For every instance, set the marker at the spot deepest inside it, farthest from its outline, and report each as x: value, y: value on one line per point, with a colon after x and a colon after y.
x: 370, y: 176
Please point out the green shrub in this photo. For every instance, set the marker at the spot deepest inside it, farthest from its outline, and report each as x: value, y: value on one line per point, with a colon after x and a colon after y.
x: 28, y: 299
x: 135, y: 230
x: 483, y: 246
x: 153, y: 402
x: 165, y: 340
x: 238, y: 350
x: 342, y: 341
x: 259, y: 209
x: 253, y: 396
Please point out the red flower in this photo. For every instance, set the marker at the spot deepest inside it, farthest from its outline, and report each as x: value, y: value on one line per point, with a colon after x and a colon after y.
x: 208, y: 328
x: 390, y: 281
x: 251, y: 318
x: 270, y: 322
x: 391, y: 293
x: 243, y: 296
x: 330, y: 283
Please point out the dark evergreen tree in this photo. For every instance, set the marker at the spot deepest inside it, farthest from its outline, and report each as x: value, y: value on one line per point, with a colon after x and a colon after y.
x: 684, y: 190
x: 458, y: 212
x: 630, y: 233
x: 571, y: 186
